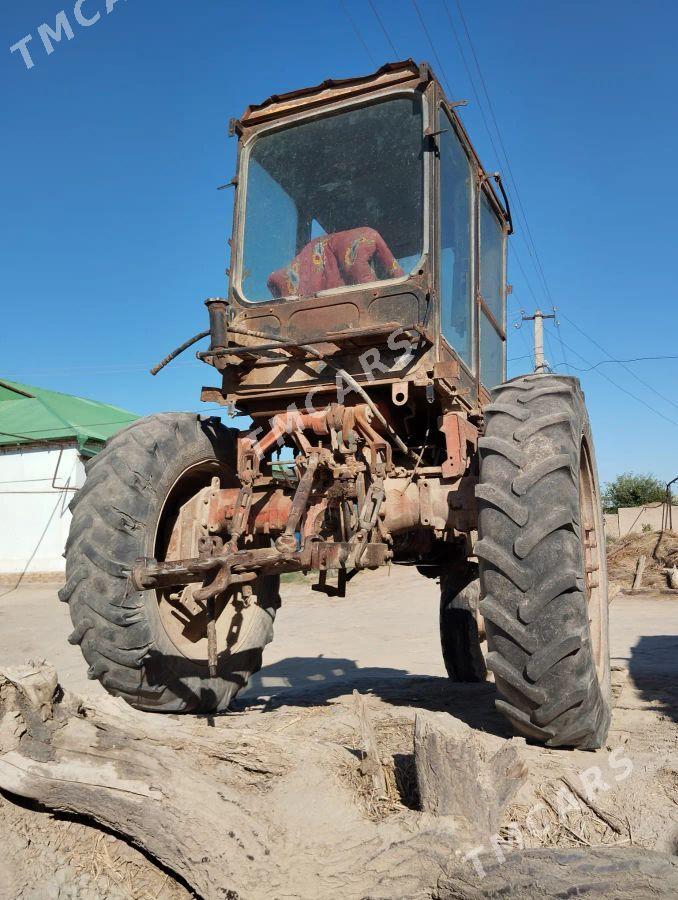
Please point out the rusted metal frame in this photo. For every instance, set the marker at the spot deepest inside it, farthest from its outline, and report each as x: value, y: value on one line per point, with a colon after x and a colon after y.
x: 238, y: 384
x: 490, y: 317
x: 419, y: 286
x: 304, y: 345
x: 149, y: 574
x: 287, y: 542
x: 362, y: 84
x: 461, y: 133
x: 458, y: 433
x: 415, y: 290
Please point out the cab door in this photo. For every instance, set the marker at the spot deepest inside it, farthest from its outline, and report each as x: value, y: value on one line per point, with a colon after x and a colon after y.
x: 457, y: 191
x: 491, y: 296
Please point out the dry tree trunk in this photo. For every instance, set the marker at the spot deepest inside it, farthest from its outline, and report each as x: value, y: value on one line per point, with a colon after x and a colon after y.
x: 217, y: 806
x: 183, y: 804
x: 454, y: 779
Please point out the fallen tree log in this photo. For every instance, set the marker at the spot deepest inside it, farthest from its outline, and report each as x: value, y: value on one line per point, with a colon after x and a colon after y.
x: 615, y: 873
x: 126, y: 771
x: 229, y: 810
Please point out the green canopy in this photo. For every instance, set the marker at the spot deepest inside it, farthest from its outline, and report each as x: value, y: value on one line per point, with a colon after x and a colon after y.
x: 30, y: 415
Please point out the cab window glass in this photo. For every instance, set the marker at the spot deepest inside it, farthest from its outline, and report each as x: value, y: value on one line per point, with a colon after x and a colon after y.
x: 491, y: 353
x: 491, y: 276
x: 456, y: 221
x: 335, y: 201
x: 491, y: 260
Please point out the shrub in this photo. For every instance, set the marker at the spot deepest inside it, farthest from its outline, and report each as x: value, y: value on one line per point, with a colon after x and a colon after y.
x: 628, y: 489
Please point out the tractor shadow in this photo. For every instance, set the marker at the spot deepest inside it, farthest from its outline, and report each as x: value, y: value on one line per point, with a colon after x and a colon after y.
x: 653, y: 669
x: 317, y: 681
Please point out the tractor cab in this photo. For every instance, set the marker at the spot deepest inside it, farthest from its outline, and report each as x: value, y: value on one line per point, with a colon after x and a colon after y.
x: 361, y: 205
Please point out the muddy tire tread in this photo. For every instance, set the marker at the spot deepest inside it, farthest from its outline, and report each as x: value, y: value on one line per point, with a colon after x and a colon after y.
x: 530, y: 563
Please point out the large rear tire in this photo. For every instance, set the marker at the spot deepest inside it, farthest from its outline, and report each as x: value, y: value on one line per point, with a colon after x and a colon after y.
x: 542, y: 562
x: 142, y: 645
x: 460, y: 636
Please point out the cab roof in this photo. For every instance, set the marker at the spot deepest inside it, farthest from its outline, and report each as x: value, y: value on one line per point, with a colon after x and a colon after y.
x: 276, y: 105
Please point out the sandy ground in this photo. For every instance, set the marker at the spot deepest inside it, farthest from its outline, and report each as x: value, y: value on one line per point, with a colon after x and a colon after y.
x: 383, y: 639
x: 386, y: 627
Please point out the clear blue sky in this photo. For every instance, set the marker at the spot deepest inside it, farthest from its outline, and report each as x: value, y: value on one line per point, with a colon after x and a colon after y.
x: 113, y: 146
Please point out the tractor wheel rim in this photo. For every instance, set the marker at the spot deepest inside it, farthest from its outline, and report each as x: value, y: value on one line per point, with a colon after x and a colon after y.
x: 188, y: 632
x: 593, y: 545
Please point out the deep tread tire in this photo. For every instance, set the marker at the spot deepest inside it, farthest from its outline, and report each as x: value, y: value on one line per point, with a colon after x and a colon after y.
x: 532, y: 564
x: 115, y: 519
x: 459, y: 634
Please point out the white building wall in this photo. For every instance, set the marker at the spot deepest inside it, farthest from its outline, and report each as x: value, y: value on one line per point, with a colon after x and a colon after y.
x: 34, y: 515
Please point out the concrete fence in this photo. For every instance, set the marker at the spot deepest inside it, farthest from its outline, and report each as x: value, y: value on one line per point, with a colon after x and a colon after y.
x: 630, y: 519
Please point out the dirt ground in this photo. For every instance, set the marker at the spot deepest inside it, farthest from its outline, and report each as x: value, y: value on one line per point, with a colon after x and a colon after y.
x: 659, y: 549
x: 382, y: 639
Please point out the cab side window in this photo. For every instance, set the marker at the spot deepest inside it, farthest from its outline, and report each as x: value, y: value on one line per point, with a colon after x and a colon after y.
x: 492, y: 291
x: 456, y: 222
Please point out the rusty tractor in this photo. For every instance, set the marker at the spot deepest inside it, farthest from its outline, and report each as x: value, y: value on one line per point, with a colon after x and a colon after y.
x: 364, y: 335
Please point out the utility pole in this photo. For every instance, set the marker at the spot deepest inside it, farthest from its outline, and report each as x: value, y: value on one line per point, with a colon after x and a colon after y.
x: 667, y: 513
x: 538, y: 319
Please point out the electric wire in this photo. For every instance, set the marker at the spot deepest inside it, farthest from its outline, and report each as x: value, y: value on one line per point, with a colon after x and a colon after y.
x: 621, y: 363
x: 551, y: 354
x: 432, y: 46
x: 528, y: 281
x: 604, y: 362
x: 537, y: 262
x: 358, y: 33
x: 383, y: 28
x: 624, y: 390
x: 534, y: 252
x: 562, y: 345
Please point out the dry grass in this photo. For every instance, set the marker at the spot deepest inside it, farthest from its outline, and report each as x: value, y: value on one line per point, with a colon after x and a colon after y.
x: 561, y: 820
x: 660, y: 548
x: 396, y: 739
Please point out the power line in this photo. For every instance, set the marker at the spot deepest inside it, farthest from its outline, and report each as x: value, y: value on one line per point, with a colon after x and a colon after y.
x: 481, y: 108
x: 562, y: 345
x: 621, y: 363
x: 551, y: 354
x: 383, y: 28
x: 431, y: 45
x: 536, y: 260
x: 619, y: 386
x: 514, y: 250
x: 358, y: 33
x: 603, y: 362
x: 534, y: 252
